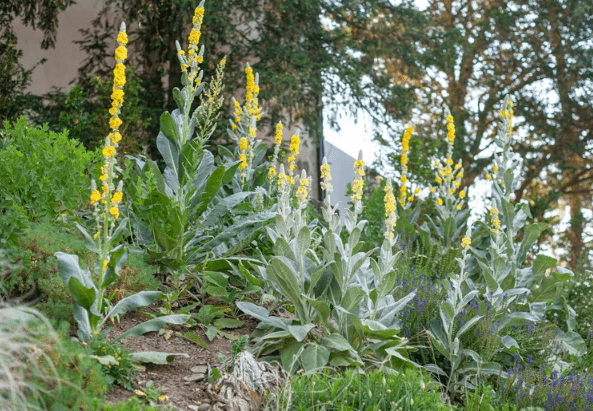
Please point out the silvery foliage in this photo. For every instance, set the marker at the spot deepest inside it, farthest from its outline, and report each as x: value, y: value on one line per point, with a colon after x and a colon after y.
x: 498, y: 264
x: 342, y: 290
x: 445, y: 335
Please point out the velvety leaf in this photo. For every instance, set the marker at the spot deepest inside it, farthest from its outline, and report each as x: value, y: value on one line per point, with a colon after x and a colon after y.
x: 314, y: 357
x: 155, y: 357
x: 153, y: 325
x: 133, y: 302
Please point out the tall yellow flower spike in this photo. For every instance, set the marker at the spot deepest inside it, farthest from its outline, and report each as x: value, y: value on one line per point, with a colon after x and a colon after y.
x: 109, y: 151
x: 358, y: 185
x: 390, y: 215
x: 295, y: 144
x: 449, y: 175
x: 277, y: 143
x: 302, y: 192
x: 404, y: 165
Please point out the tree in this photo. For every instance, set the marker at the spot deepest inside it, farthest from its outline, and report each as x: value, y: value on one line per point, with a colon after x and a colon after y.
x: 14, y: 78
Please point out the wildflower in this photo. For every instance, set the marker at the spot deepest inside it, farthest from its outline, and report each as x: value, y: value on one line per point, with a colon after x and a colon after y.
x: 390, y: 215
x: 439, y: 201
x: 95, y: 196
x: 489, y: 176
x: 494, y: 219
x: 105, y: 262
x: 302, y: 192
x: 495, y: 169
x: 295, y: 143
x: 404, y: 163
x: 108, y: 151
x: 326, y: 177
x: 358, y: 185
x: 462, y: 194
x: 277, y: 143
x: 466, y: 242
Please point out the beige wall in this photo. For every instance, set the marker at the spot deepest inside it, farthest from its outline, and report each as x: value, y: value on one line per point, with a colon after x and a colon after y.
x: 63, y: 61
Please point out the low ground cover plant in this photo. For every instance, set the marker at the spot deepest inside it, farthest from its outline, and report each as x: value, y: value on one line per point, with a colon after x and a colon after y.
x: 430, y: 311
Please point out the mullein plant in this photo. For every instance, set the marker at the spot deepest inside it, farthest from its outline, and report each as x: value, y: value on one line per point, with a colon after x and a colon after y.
x: 499, y: 264
x: 92, y: 308
x: 450, y: 199
x: 465, y: 366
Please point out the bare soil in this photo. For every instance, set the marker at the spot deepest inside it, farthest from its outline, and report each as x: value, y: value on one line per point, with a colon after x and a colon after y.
x: 183, y: 395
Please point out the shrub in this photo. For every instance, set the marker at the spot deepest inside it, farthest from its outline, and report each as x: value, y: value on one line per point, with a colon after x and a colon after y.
x: 42, y: 171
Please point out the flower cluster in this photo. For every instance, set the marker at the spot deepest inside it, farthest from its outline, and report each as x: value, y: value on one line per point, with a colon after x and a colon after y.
x: 109, y: 196
x: 251, y: 102
x: 302, y: 192
x: 403, y: 191
x: 448, y: 175
x: 494, y: 219
x: 295, y: 143
x: 238, y: 112
x: 194, y: 57
x: 277, y: 143
x: 390, y: 216
x: 326, y: 177
x: 358, y: 185
x: 283, y: 179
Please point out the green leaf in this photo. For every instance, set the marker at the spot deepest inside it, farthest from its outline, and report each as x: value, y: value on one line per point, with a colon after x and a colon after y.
x: 468, y: 325
x: 337, y: 342
x: 280, y: 271
x: 212, y: 187
x: 303, y: 241
x: 133, y: 302
x: 261, y: 314
x: 177, y: 95
x: 290, y: 354
x: 314, y: 357
x: 153, y: 325
x: 196, y: 339
x: 88, y: 240
x: 168, y: 128
x: 84, y: 296
x: 155, y: 357
x: 211, y: 332
x: 300, y: 332
x: 321, y: 307
x: 228, y: 323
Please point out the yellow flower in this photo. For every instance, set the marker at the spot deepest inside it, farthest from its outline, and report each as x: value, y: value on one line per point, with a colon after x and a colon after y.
x: 243, y: 143
x: 278, y: 138
x: 122, y: 38
x: 105, y: 262
x: 459, y: 206
x: 108, y: 151
x: 438, y: 180
x: 488, y: 176
x: 439, y: 201
x: 466, y: 242
x: 95, y: 196
x: 271, y: 173
x: 121, y: 53
x: 462, y: 194
x: 96, y: 234
x: 243, y: 162
x: 495, y: 169
x: 114, y: 122
x: 115, y: 137
x: 403, y: 179
x: 432, y: 190
x: 117, y: 197
x: 114, y: 211
x: 162, y: 398
x: 417, y: 191
x: 451, y: 191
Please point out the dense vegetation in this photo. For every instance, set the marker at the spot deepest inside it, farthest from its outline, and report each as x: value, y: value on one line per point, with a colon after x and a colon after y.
x: 402, y: 303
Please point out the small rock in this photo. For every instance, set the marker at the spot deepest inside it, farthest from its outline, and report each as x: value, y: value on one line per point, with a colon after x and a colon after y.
x: 195, y: 377
x: 200, y: 369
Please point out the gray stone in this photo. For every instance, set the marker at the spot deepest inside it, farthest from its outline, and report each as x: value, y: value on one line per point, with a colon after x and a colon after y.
x: 200, y: 369
x: 195, y: 377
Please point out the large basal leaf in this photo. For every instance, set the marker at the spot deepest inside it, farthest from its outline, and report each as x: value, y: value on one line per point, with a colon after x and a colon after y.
x: 133, y: 302
x: 153, y: 325
x: 290, y: 354
x: 300, y: 332
x: 156, y: 357
x: 261, y: 314
x: 337, y: 342
x: 211, y: 189
x: 228, y: 323
x: 280, y: 271
x: 314, y: 357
